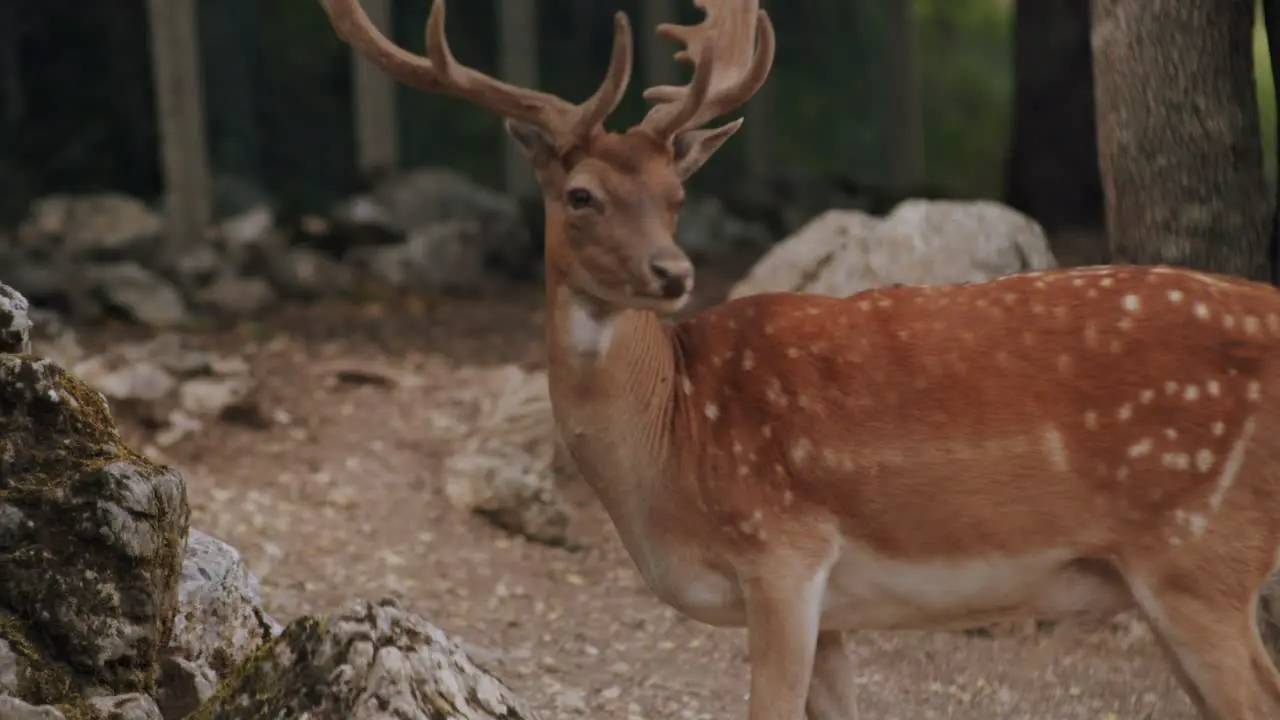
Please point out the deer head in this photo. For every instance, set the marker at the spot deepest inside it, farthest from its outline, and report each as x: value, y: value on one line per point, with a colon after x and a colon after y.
x: 612, y: 199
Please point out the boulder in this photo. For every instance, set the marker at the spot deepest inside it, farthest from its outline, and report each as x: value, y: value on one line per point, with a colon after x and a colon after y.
x: 842, y: 252
x: 91, y: 543
x: 371, y: 660
x: 15, y: 322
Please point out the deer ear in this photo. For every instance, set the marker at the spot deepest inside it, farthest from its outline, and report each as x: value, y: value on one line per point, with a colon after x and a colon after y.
x: 695, y: 147
x: 536, y: 146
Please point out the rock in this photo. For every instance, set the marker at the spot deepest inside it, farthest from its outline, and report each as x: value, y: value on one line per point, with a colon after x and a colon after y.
x: 443, y: 256
x: 131, y: 706
x: 91, y: 540
x: 219, y: 621
x: 306, y: 273
x: 144, y: 380
x: 183, y: 687
x: 248, y: 227
x: 843, y: 252
x: 15, y: 323
x: 11, y: 708
x: 411, y: 203
x: 504, y: 441
x: 237, y: 295
x: 370, y: 661
x: 104, y: 226
x: 213, y: 396
x: 140, y: 293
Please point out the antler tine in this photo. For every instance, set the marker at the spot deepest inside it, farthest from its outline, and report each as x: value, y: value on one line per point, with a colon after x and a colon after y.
x: 732, y: 51
x: 563, y: 122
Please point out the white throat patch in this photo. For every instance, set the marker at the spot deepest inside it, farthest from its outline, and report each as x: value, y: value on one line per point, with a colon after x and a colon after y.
x: 589, y: 334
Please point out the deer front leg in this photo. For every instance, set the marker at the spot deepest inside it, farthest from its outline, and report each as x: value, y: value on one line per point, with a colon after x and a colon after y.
x: 831, y: 690
x: 782, y: 635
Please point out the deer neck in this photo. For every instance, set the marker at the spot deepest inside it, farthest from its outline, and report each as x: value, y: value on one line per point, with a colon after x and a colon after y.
x: 612, y: 381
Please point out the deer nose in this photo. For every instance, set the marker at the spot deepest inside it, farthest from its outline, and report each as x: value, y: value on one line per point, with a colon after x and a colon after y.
x: 673, y: 272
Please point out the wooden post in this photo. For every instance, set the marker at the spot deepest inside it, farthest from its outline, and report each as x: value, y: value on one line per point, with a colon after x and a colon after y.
x: 374, y: 95
x: 180, y: 110
x: 518, y: 65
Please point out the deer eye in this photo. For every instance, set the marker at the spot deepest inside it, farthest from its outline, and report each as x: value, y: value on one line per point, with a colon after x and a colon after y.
x: 580, y: 199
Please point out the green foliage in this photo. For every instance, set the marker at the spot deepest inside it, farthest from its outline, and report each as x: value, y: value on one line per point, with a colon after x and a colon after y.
x: 1266, y: 94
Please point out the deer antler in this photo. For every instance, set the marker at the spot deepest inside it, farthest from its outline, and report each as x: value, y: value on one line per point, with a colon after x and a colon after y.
x: 564, y: 123
x: 728, y: 66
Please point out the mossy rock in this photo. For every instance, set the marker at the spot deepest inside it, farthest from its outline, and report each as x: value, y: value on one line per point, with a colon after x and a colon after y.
x: 91, y: 539
x: 372, y: 660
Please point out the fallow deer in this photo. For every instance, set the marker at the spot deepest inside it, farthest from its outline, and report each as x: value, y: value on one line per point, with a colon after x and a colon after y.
x: 1041, y: 445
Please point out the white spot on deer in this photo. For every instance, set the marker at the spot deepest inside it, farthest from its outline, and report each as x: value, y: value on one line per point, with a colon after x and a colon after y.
x: 1195, y: 522
x: 748, y: 360
x: 711, y: 411
x: 1106, y: 282
x: 1201, y: 311
x: 1204, y: 460
x: 1176, y: 460
x: 1254, y: 391
x: 1091, y: 420
x: 1077, y: 282
x: 1218, y: 428
x: 793, y: 353
x: 1228, y: 321
x: 1146, y: 396
x: 1125, y: 323
x: 1055, y: 448
x: 1090, y: 335
x: 774, y: 393
x: 864, y: 304
x: 1122, y: 472
x: 1170, y: 387
x: 800, y: 451
x: 1191, y: 393
x: 766, y: 430
x: 1131, y: 303
x: 1141, y: 448
x: 788, y: 498
x: 1213, y: 388
x: 686, y: 384
x: 1252, y: 325
x: 588, y: 334
x: 1231, y: 466
x: 1170, y: 434
x: 1125, y: 412
x: 1175, y: 296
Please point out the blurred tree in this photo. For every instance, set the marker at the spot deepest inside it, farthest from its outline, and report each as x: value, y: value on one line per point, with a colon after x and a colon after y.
x: 1271, y: 20
x: 1052, y: 172
x: 1178, y: 134
x: 906, y: 116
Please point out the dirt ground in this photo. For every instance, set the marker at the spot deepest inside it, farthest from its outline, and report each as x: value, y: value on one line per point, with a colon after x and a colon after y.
x: 338, y: 498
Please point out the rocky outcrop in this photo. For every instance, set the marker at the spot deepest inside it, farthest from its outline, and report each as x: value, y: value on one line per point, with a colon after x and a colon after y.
x: 91, y: 541
x: 842, y: 252
x: 367, y: 662
x: 111, y: 608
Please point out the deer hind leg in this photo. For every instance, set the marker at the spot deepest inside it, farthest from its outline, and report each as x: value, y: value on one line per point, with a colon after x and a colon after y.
x: 1209, y: 631
x: 831, y: 691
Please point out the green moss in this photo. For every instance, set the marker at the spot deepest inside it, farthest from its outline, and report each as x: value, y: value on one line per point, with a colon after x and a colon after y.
x: 261, y: 688
x: 59, y: 437
x: 41, y: 679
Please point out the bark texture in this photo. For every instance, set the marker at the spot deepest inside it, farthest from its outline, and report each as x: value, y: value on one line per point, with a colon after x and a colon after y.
x: 1178, y: 135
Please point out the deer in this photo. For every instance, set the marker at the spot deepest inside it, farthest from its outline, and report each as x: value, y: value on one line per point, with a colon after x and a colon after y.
x: 1057, y: 444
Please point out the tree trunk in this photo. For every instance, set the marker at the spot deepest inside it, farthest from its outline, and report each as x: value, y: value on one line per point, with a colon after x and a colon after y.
x: 1052, y: 173
x: 1178, y: 135
x: 906, y: 113
x: 518, y: 65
